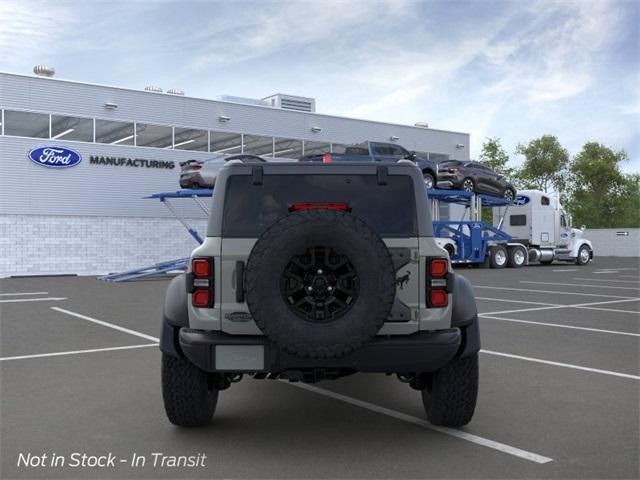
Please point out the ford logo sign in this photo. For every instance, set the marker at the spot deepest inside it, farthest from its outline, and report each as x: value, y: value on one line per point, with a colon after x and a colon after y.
x: 55, y: 157
x: 521, y: 200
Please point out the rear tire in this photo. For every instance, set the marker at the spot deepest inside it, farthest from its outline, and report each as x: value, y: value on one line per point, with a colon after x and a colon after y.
x: 468, y: 185
x: 450, y: 395
x: 517, y: 257
x: 498, y: 256
x: 429, y: 180
x: 189, y: 394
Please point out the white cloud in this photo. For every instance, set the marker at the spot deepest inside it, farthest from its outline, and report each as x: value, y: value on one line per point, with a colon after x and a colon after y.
x: 30, y: 29
x: 284, y: 26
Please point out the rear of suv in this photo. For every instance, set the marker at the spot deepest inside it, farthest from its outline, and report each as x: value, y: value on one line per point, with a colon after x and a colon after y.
x: 313, y: 272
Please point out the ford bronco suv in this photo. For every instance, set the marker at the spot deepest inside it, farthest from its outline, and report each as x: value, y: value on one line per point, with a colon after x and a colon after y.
x: 312, y: 272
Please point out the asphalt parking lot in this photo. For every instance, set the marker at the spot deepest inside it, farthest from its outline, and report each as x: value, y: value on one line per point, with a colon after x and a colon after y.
x: 559, y: 390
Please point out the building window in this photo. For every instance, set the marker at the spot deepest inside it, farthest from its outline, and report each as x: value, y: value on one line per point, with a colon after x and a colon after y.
x: 316, y: 148
x: 114, y: 133
x: 26, y: 124
x: 158, y: 136
x: 190, y: 139
x: 258, y: 145
x: 71, y: 128
x: 287, y: 148
x: 225, y: 143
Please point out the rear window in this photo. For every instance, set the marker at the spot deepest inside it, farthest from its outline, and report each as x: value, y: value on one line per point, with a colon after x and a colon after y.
x: 389, y: 209
x: 357, y: 151
x: 450, y: 163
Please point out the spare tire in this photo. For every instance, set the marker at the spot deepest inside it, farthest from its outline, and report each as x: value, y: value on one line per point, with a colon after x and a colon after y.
x: 320, y: 283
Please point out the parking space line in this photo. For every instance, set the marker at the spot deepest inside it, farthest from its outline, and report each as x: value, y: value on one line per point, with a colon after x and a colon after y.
x: 22, y: 293
x: 76, y: 352
x: 20, y: 300
x: 628, y: 276
x: 632, y: 312
x: 580, y: 285
x: 573, y: 327
x: 529, y: 290
x: 566, y: 270
x: 606, y: 280
x: 518, y: 301
x: 485, y: 442
x: 560, y: 364
x: 533, y: 309
x: 107, y: 324
x: 614, y: 269
x: 588, y: 306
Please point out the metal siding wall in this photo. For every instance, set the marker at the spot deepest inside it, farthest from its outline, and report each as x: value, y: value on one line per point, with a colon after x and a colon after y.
x: 55, y: 96
x: 606, y: 243
x: 101, y: 190
x: 85, y: 189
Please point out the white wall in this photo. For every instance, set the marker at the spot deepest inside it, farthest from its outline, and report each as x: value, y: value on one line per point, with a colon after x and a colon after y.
x: 57, y: 244
x: 607, y: 242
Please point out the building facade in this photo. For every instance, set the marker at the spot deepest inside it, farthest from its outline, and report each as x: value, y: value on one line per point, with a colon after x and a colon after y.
x: 84, y: 212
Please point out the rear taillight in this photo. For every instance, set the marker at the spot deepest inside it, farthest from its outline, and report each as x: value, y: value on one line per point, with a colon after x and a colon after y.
x: 195, y: 167
x: 200, y: 282
x: 326, y: 158
x: 438, y: 282
x: 454, y: 170
x: 201, y: 298
x: 296, y: 207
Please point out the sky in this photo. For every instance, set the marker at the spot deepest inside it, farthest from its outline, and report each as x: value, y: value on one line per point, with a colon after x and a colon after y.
x: 509, y: 69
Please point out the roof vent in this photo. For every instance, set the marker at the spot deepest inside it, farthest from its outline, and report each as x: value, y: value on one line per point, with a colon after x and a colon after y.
x: 153, y: 88
x: 421, y: 124
x: 291, y: 102
x: 175, y: 91
x: 44, y: 71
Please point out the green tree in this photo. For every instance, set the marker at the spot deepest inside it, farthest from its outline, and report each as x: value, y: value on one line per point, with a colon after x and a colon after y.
x: 494, y: 156
x: 600, y: 195
x: 629, y: 209
x: 545, y: 164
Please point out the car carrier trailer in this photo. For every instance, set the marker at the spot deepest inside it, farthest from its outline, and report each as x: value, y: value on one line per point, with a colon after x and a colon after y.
x: 477, y: 242
x: 532, y: 228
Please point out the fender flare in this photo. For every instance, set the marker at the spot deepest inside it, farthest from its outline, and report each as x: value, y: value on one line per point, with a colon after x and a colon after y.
x: 175, y: 315
x: 430, y: 171
x: 464, y: 309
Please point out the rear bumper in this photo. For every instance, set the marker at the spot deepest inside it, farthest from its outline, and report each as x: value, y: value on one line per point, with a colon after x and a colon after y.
x: 420, y: 352
x: 449, y: 181
x: 191, y: 179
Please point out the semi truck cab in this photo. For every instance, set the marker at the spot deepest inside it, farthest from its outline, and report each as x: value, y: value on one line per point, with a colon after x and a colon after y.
x: 538, y: 221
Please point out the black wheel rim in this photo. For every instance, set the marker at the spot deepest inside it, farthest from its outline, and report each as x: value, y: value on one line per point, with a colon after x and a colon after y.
x: 319, y: 285
x: 467, y: 186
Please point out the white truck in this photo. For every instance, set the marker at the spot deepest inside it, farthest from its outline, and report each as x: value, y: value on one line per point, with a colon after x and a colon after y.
x: 538, y: 221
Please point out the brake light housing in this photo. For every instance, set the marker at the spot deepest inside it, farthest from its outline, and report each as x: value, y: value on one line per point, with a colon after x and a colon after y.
x: 296, y: 207
x: 200, y: 282
x: 327, y: 158
x: 439, y: 282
